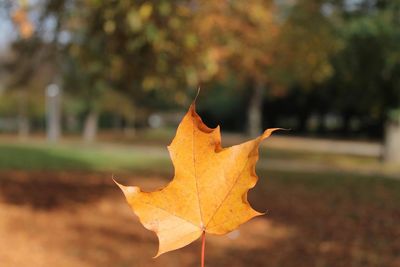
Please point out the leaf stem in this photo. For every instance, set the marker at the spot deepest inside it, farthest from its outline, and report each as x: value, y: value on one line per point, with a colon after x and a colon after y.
x: 203, y: 247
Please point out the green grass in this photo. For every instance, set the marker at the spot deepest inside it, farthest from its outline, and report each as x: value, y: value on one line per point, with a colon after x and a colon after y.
x: 76, y: 157
x: 356, y: 185
x: 317, y: 157
x: 120, y: 158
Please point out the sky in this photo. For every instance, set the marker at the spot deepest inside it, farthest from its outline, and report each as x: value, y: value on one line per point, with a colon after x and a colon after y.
x: 7, y: 32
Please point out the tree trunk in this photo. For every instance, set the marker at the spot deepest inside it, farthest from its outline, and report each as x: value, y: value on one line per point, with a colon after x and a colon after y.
x: 254, y: 112
x: 53, y: 112
x: 129, y: 129
x: 117, y: 123
x: 303, y: 116
x: 23, y: 119
x: 72, y: 123
x: 392, y: 143
x: 23, y: 126
x: 346, y: 129
x: 90, y: 126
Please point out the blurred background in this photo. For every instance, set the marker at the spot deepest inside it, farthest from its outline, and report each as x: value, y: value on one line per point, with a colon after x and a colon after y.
x: 91, y: 88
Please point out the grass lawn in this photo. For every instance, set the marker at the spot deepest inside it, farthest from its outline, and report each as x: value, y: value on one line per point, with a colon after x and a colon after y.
x: 77, y: 157
x: 111, y: 157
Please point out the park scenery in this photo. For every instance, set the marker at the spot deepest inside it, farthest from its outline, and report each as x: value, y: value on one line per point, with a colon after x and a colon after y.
x: 200, y: 133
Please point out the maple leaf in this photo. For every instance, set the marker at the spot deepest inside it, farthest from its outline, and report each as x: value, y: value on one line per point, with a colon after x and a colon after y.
x: 208, y: 192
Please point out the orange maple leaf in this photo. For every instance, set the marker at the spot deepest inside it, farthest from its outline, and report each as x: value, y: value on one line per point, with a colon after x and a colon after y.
x: 208, y: 192
x: 25, y: 27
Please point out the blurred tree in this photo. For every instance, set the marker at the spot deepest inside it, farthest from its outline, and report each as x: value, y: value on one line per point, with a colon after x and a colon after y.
x: 25, y: 29
x: 145, y: 52
x: 367, y: 81
x: 142, y: 46
x: 31, y: 62
x: 131, y: 47
x: 134, y: 47
x: 266, y: 44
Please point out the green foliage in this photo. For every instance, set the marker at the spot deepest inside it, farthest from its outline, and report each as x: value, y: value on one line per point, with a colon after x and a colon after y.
x: 142, y: 40
x: 367, y: 76
x: 12, y: 101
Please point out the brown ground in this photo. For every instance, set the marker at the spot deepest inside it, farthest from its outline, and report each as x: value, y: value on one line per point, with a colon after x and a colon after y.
x: 81, y: 219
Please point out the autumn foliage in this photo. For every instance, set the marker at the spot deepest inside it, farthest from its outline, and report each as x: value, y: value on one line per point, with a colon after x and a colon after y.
x: 208, y: 193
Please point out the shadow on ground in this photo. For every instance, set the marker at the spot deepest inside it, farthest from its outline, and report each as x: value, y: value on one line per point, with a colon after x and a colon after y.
x: 41, y: 190
x: 81, y: 219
